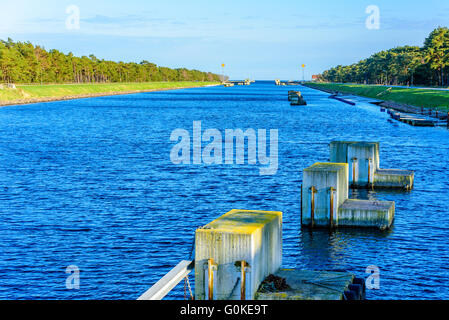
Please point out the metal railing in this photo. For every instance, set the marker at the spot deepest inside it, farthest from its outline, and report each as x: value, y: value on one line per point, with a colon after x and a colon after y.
x: 169, y: 281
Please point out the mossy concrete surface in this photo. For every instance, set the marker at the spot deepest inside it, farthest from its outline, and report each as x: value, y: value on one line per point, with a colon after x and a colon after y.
x: 310, y: 285
x: 240, y: 235
x: 364, y: 166
x: 318, y: 180
x: 325, y: 202
x: 339, y: 151
x: 393, y: 178
x: 366, y: 213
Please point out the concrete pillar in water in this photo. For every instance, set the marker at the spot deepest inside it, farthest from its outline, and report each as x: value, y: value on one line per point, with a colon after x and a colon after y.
x: 364, y: 166
x: 325, y: 202
x: 254, y: 237
x: 325, y: 188
x: 366, y: 213
x: 363, y: 163
x: 362, y: 157
x: 339, y: 151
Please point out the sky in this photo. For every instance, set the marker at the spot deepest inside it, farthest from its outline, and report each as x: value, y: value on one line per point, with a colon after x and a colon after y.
x: 261, y: 40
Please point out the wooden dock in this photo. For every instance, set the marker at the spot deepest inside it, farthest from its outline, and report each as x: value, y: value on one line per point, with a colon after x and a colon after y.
x: 412, y: 120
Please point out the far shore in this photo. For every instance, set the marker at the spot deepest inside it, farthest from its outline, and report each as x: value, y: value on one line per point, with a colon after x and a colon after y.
x: 30, y: 94
x: 414, y: 98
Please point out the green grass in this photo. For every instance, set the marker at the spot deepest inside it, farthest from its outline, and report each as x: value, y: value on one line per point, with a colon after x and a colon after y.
x: 35, y: 92
x: 427, y: 98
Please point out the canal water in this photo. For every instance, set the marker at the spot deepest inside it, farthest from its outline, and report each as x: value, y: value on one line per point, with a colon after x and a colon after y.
x: 89, y: 183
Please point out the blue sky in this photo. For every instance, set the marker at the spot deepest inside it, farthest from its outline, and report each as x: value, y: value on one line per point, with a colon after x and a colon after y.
x: 257, y: 39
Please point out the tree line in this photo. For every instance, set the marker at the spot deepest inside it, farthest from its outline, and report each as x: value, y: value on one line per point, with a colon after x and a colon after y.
x: 23, y: 62
x: 408, y: 65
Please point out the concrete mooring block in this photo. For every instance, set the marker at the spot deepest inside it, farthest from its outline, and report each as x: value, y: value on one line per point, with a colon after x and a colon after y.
x: 362, y: 163
x: 339, y: 151
x: 254, y: 237
x: 325, y: 188
x: 392, y: 178
x: 325, y: 203
x: 366, y: 213
x: 364, y: 166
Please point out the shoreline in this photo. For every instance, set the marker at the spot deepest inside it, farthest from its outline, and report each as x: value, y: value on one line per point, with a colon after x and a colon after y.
x: 391, y: 104
x: 91, y: 95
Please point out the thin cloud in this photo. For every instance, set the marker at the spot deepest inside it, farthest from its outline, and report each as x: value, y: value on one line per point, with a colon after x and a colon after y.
x: 410, y: 24
x: 128, y: 19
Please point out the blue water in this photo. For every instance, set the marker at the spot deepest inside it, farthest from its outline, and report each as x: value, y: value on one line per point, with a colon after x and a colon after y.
x: 89, y: 183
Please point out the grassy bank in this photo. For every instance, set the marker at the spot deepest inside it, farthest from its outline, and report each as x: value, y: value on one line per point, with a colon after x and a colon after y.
x: 36, y: 93
x: 427, y: 98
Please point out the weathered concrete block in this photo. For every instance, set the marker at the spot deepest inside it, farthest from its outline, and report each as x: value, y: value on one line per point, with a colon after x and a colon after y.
x: 364, y: 213
x: 362, y: 163
x: 392, y: 178
x: 325, y: 185
x: 362, y: 157
x: 339, y: 151
x: 240, y: 235
x: 364, y: 166
x: 325, y: 203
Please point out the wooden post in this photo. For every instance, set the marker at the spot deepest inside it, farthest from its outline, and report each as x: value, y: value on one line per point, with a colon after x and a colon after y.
x: 369, y: 171
x: 331, y: 216
x: 301, y: 197
x: 353, y: 171
x: 312, y: 207
x: 243, y: 281
x: 210, y: 273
